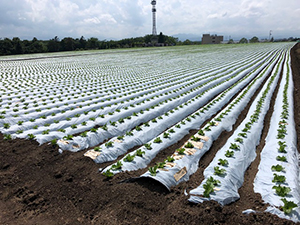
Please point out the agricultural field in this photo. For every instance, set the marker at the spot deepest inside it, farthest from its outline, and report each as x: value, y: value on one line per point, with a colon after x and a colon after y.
x: 180, y: 135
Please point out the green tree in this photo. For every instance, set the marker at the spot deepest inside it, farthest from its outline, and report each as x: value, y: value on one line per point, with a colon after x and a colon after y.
x: 161, y: 38
x: 254, y: 40
x: 54, y: 45
x: 6, y: 46
x: 243, y: 41
x: 92, y: 43
x: 230, y: 41
x: 17, y: 46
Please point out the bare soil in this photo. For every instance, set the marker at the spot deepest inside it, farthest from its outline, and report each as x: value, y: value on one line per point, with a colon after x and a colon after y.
x: 40, y: 186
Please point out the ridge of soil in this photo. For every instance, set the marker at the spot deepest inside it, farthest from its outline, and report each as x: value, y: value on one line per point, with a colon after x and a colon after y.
x: 40, y: 186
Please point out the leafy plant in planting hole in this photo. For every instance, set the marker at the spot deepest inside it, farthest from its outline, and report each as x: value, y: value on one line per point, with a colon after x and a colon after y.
x: 54, y: 142
x: 140, y: 153
x: 6, y: 125
x: 195, y: 138
x: 178, y: 126
x: 207, y: 128
x: 93, y: 130
x: 117, y: 166
x: 153, y: 170
x: 201, y: 132
x: 104, y: 127
x: 120, y: 137
x: 172, y: 131
x: 68, y: 137
x: 282, y: 149
x: 138, y: 128
x: 218, y: 171
x: 288, y: 206
x: 229, y: 154
x: 180, y: 151
x: 234, y: 146
x: 73, y: 126
x: 146, y: 124
x: 7, y: 137
x: 154, y: 121
x: 223, y: 162
x: 189, y: 145
x: 278, y: 178
x: 244, y: 135
x: 212, y: 123
x: 157, y: 140
x: 209, y: 186
x: 129, y: 158
x: 281, y: 191
x: 31, y: 136
x: 166, y: 135
x: 240, y: 140
x: 129, y: 133
x: 45, y: 132
x: 170, y: 159
x: 108, y: 174
x: 62, y: 130
x: 281, y: 158
x: 161, y: 164
x: 277, y: 168
x: 97, y: 149
x: 109, y: 144
x: 148, y: 146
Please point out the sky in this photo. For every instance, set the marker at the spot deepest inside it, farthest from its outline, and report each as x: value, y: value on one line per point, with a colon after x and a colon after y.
x: 118, y: 19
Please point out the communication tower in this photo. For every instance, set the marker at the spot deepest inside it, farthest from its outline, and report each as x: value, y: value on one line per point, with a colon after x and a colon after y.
x: 153, y: 3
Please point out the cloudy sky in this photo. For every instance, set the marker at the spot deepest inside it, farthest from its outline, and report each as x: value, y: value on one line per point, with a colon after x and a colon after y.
x: 117, y: 19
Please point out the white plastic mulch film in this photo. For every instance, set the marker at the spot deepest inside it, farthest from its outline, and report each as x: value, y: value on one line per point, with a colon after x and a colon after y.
x: 109, y: 102
x: 280, y: 157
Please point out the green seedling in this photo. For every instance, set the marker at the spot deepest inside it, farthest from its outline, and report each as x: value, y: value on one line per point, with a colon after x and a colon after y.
x: 153, y: 170
x: 117, y: 166
x: 223, y: 162
x: 288, y: 206
x: 218, y: 171
x: 129, y: 158
x: 281, y: 191
x: 140, y: 153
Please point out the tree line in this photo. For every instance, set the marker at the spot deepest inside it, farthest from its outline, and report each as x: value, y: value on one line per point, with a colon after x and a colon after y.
x: 17, y: 46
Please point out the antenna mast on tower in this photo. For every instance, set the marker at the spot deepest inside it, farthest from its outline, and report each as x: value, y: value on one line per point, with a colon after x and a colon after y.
x: 153, y: 3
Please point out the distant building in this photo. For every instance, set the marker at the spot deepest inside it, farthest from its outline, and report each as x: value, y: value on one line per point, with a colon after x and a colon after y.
x: 211, y: 39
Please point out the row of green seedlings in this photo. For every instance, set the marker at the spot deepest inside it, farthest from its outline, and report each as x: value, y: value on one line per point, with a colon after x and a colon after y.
x: 146, y: 124
x: 180, y: 151
x: 232, y: 105
x: 211, y: 183
x: 212, y: 123
x: 165, y: 135
x: 95, y: 91
x: 109, y: 83
x: 104, y: 127
x: 7, y: 125
x: 138, y: 128
x: 35, y: 103
x: 283, y: 191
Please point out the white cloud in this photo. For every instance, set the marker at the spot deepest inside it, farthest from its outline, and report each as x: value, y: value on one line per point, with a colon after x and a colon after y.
x: 128, y: 18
